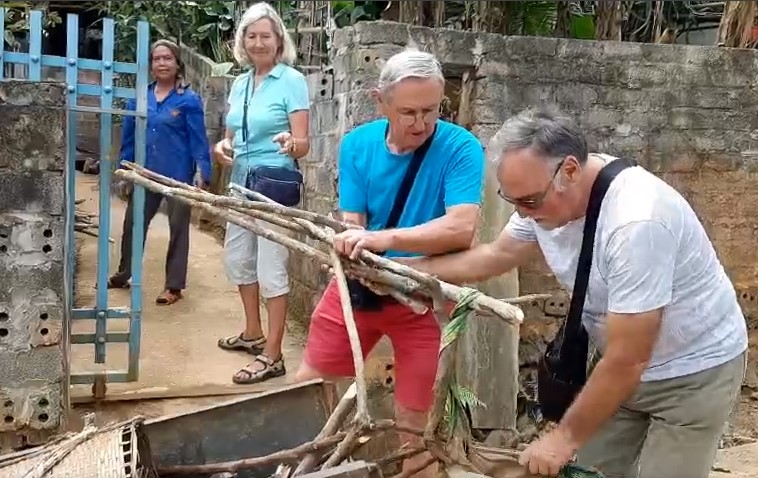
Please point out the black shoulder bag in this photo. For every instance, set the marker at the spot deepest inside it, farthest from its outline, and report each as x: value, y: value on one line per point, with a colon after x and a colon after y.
x: 361, y: 296
x: 563, y: 369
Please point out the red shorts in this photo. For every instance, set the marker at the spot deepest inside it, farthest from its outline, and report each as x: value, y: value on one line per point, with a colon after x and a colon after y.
x: 415, y: 342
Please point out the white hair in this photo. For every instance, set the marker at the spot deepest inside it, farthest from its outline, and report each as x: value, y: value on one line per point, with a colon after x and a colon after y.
x: 410, y: 63
x: 549, y: 134
x: 287, y: 52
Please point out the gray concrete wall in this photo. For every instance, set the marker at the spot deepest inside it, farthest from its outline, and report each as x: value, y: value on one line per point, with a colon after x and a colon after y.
x: 685, y: 112
x: 33, y: 300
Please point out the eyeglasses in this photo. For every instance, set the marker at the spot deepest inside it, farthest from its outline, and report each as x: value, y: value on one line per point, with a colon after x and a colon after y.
x: 409, y: 119
x: 533, y: 201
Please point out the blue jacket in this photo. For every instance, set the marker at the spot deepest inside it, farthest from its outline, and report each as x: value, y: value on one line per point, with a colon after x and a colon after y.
x: 176, y: 140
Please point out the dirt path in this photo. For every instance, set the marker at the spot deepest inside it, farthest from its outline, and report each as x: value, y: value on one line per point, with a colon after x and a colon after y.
x: 179, y: 356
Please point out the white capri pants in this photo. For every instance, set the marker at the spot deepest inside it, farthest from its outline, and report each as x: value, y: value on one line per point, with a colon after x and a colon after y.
x: 249, y: 259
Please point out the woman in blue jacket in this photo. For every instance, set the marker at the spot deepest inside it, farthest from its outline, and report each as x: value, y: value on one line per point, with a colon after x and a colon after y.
x: 177, y: 147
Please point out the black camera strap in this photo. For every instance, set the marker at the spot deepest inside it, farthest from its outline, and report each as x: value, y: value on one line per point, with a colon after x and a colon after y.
x: 408, y: 180
x: 575, y: 343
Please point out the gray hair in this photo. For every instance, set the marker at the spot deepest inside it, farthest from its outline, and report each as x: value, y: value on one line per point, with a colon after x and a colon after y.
x: 410, y: 63
x: 287, y: 53
x: 549, y: 134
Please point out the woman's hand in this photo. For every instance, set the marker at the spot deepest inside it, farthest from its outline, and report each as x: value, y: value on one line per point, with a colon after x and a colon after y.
x: 286, y: 142
x: 222, y: 152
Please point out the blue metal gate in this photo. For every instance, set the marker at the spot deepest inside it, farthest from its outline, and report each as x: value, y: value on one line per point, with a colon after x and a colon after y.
x: 33, y: 61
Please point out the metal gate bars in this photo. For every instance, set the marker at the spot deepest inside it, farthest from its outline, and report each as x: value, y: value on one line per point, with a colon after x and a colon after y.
x: 35, y: 63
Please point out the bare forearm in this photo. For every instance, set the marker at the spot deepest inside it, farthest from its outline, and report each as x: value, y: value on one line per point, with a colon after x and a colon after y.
x: 300, y: 148
x: 478, y: 263
x: 607, y: 388
x: 439, y: 236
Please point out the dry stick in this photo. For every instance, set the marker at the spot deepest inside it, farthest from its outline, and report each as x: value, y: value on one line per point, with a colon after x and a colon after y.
x: 445, y: 372
x: 283, y: 456
x: 400, y: 455
x: 332, y: 425
x: 225, y: 200
x: 344, y: 448
x: 287, y: 456
x: 501, y: 309
x: 434, y: 286
x: 361, y: 417
x: 412, y: 471
x: 232, y: 217
x: 242, y: 220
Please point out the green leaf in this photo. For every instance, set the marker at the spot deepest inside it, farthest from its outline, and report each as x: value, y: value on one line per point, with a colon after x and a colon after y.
x: 206, y: 27
x: 582, y: 27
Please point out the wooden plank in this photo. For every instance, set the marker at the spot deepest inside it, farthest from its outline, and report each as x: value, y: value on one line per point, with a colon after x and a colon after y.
x: 80, y: 397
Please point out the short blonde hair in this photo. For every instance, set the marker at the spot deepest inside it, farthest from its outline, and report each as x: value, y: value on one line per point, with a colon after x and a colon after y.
x: 287, y: 52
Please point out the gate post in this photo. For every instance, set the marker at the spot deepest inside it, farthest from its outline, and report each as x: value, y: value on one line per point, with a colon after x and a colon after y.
x: 33, y: 287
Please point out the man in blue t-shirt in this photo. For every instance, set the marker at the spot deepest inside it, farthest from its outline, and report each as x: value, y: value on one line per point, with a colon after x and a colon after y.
x: 440, y: 216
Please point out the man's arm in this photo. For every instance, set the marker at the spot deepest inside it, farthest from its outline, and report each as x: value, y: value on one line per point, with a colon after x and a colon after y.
x: 463, y: 181
x: 640, y: 260
x: 454, y: 231
x: 479, y: 263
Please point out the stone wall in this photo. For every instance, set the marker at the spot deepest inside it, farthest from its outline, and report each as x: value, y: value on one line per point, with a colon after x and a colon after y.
x: 686, y: 113
x: 33, y: 289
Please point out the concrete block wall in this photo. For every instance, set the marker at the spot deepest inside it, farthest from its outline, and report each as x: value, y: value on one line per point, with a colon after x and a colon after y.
x: 685, y: 112
x: 33, y: 304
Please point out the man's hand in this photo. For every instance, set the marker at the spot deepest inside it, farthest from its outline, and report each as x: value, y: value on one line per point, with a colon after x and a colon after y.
x: 353, y: 241
x: 548, y: 455
x: 222, y: 152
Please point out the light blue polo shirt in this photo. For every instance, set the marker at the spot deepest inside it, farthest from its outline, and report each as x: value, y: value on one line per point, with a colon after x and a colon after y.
x: 283, y: 91
x: 451, y: 174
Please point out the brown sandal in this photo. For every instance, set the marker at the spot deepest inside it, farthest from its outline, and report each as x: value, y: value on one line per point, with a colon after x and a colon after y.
x: 168, y: 297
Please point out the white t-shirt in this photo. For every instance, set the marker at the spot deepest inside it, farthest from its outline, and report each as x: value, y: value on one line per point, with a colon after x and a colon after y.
x: 650, y: 251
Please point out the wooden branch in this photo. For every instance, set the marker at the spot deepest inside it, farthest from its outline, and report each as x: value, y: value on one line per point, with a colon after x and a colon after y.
x: 283, y: 456
x: 361, y: 417
x: 400, y: 455
x: 412, y: 471
x: 266, y: 204
x: 332, y: 425
x: 442, y: 381
x: 426, y: 283
x: 344, y: 448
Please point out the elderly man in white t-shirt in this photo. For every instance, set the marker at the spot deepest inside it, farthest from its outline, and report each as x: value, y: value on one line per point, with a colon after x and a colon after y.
x: 659, y: 307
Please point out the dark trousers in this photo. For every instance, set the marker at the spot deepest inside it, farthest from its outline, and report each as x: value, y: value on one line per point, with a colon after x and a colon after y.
x: 178, y: 245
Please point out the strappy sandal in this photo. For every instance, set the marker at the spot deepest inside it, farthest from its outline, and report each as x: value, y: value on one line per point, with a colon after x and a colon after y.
x: 168, y: 297
x: 236, y: 342
x: 271, y: 369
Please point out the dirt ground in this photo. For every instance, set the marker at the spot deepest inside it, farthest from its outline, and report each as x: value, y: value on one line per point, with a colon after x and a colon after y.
x: 179, y: 356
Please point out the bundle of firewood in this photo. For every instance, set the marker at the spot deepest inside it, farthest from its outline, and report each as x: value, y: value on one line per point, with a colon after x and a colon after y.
x: 84, y: 223
x: 447, y: 436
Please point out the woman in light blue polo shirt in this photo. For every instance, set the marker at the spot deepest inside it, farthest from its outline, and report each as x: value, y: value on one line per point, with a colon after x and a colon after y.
x: 267, y: 131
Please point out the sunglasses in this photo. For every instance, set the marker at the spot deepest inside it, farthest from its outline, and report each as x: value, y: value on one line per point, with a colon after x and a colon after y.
x: 532, y: 201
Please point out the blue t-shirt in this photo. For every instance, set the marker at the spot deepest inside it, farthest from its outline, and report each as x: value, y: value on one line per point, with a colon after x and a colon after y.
x: 451, y: 174
x: 283, y: 91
